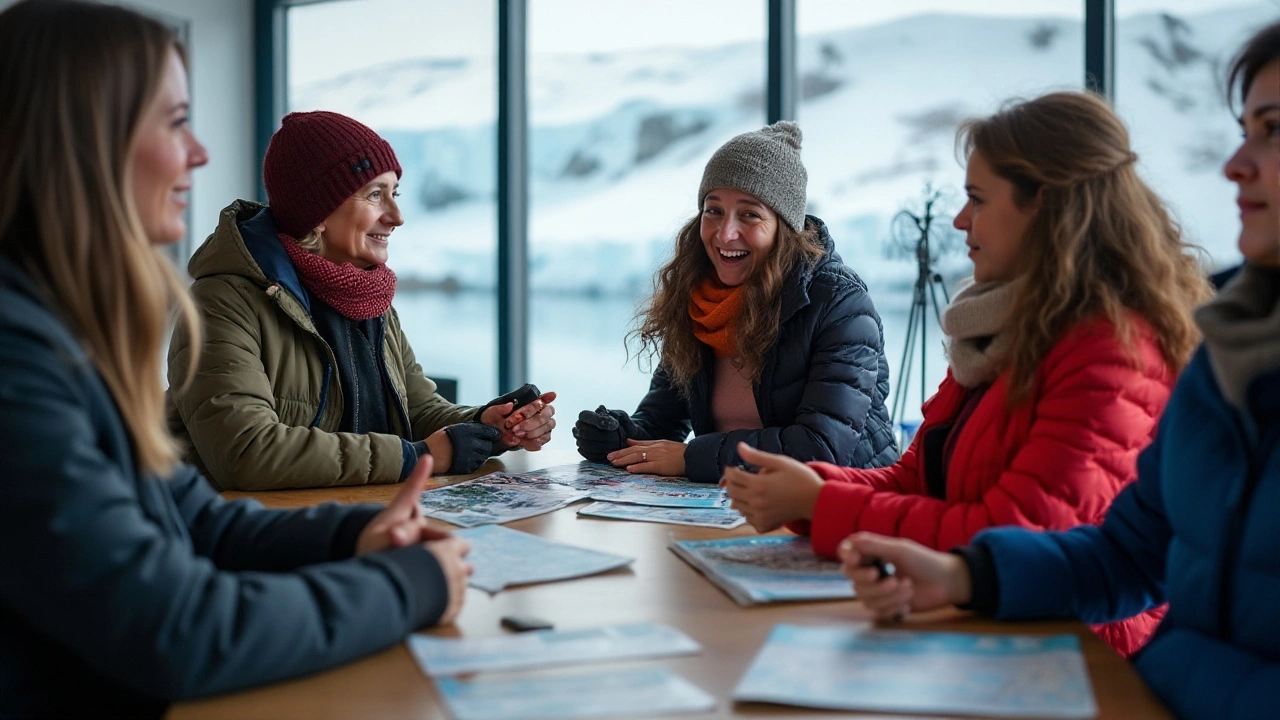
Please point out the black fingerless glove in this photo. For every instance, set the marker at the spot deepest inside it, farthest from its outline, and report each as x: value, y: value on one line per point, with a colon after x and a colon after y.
x: 601, y: 432
x: 473, y: 443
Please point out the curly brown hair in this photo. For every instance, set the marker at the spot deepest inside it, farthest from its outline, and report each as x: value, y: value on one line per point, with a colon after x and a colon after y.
x: 665, y: 329
x: 1102, y: 242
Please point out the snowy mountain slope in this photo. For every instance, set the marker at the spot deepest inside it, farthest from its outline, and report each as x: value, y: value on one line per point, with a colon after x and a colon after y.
x: 618, y: 141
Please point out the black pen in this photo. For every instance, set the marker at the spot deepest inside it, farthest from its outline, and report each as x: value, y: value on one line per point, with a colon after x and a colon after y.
x: 887, y: 570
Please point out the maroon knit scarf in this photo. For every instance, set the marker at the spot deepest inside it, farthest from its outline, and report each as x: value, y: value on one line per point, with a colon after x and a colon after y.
x: 356, y: 294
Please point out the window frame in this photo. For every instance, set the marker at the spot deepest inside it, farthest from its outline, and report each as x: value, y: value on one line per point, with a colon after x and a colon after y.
x: 270, y: 86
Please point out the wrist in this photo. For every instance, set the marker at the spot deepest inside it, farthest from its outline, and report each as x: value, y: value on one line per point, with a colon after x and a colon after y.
x: 959, y: 580
x: 441, y: 450
x: 807, y: 503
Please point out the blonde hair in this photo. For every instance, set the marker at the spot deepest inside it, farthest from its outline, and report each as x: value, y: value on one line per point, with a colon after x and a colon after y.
x: 666, y: 329
x: 1102, y: 242
x: 75, y: 80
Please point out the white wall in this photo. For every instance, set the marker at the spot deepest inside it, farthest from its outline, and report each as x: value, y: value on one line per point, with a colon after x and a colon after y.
x: 221, y: 54
x: 220, y: 50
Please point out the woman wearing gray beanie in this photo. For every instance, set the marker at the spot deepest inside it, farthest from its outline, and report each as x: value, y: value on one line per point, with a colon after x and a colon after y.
x: 762, y: 334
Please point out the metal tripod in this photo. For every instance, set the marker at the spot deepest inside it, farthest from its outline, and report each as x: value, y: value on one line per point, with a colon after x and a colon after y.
x: 918, y: 231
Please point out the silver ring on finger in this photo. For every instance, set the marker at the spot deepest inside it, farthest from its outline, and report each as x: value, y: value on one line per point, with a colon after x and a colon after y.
x: 644, y: 457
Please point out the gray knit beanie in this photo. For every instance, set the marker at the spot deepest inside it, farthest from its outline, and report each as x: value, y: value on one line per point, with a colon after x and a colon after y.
x: 766, y: 164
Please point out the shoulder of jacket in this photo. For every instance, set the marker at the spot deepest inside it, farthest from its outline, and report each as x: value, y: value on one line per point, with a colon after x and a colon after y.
x: 231, y: 289
x: 1094, y: 346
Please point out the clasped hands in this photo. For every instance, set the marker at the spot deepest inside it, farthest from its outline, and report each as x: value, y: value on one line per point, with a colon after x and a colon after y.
x: 462, y: 448
x: 609, y: 436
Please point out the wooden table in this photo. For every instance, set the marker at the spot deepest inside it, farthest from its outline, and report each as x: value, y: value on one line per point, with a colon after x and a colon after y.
x: 657, y: 587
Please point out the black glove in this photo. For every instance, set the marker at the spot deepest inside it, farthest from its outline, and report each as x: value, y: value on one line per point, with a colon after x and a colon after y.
x: 601, y: 432
x: 472, y: 443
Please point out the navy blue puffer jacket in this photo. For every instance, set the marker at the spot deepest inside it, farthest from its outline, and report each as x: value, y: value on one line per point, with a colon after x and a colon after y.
x: 1200, y: 528
x: 821, y: 396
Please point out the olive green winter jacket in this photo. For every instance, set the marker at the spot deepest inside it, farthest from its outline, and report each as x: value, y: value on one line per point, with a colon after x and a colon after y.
x: 263, y: 410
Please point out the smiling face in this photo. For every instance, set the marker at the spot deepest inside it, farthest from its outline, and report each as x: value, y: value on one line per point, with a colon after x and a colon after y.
x: 995, y: 226
x: 738, y: 232
x: 1255, y: 169
x: 163, y: 155
x: 359, y: 230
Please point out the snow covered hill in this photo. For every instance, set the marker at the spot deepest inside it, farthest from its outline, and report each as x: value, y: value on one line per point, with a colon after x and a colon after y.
x: 618, y: 140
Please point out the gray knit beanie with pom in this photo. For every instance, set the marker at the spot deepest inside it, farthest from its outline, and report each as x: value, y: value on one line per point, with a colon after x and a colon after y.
x: 766, y: 164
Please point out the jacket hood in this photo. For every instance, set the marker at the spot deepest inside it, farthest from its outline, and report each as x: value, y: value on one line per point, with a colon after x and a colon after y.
x: 795, y: 294
x: 245, y: 243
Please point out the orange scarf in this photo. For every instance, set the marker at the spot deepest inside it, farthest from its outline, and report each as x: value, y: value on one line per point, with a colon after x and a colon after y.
x: 714, y: 309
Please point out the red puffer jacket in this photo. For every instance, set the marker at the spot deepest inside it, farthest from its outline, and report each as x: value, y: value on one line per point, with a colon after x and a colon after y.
x: 1054, y: 462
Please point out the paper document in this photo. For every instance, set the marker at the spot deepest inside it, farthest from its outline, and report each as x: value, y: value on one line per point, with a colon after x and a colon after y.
x: 637, y: 693
x: 723, y: 518
x: 453, y: 656
x: 772, y: 568
x: 504, y: 557
x: 611, y: 484
x: 859, y: 667
x: 497, y: 498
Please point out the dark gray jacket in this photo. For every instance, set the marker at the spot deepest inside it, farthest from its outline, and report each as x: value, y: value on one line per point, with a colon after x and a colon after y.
x: 121, y: 593
x: 822, y: 393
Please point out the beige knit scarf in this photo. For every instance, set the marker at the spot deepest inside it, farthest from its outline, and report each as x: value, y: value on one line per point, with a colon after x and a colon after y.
x: 1241, y: 328
x: 974, y: 325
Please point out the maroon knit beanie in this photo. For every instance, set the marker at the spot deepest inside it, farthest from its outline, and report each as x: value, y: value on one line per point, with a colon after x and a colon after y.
x: 315, y: 161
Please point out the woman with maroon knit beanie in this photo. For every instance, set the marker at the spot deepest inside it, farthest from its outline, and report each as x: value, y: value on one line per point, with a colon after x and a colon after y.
x: 305, y: 377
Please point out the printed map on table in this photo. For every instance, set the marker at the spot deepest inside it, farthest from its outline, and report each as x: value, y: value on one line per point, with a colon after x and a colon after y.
x: 772, y: 568
x: 723, y: 518
x: 610, y: 484
x: 439, y: 656
x: 634, y: 693
x: 503, y: 557
x: 843, y: 667
x: 497, y: 498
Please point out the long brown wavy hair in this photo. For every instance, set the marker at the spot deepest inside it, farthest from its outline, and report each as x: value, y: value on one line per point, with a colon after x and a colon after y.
x: 75, y: 80
x: 665, y: 329
x: 1102, y: 242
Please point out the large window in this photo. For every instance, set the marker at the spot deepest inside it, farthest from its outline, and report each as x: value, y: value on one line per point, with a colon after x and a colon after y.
x: 627, y: 101
x: 882, y: 88
x: 1171, y: 61
x: 422, y: 74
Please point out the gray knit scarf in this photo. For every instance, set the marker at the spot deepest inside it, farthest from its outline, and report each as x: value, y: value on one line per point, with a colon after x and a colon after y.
x: 974, y: 324
x: 1241, y: 328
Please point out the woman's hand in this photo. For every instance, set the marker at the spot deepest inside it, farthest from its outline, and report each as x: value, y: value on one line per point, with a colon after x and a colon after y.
x: 656, y: 457
x: 401, y: 523
x: 529, y: 427
x: 451, y: 553
x: 923, y: 579
x: 783, y: 490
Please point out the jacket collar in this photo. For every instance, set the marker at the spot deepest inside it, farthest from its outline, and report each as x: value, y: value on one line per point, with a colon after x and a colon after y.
x: 260, y: 239
x: 245, y: 244
x: 795, y: 295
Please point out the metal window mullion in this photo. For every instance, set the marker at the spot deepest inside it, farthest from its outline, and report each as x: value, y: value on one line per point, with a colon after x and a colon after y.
x: 780, y: 87
x: 270, y: 76
x: 513, y: 195
x: 1100, y: 47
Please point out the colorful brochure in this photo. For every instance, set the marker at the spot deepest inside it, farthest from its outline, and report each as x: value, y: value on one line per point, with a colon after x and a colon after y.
x: 636, y: 693
x: 497, y: 498
x: 859, y: 667
x: 503, y: 557
x: 723, y: 518
x: 765, y: 569
x: 439, y: 656
x: 611, y: 484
